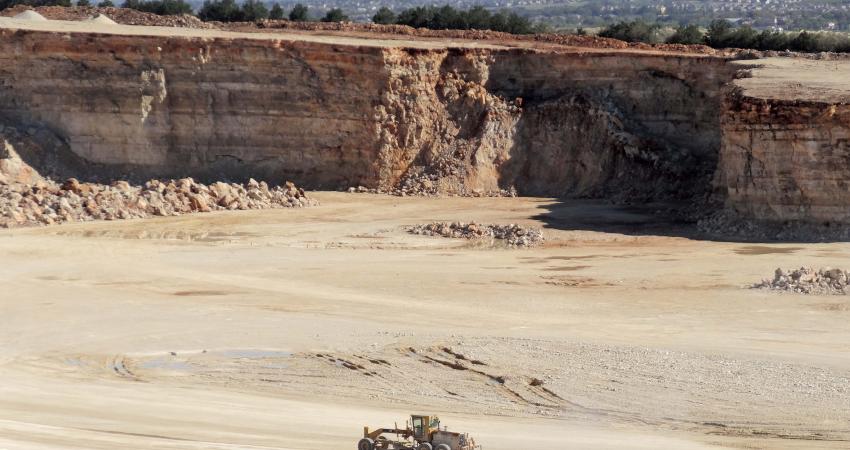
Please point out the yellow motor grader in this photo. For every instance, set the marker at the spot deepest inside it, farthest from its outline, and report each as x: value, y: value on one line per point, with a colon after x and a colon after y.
x: 421, y: 433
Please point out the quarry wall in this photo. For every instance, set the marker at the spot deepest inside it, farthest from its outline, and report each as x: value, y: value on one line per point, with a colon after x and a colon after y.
x: 577, y: 122
x: 786, y: 160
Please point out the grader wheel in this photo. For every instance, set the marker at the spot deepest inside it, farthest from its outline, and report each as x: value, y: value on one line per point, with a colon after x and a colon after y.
x: 443, y: 447
x: 366, y: 444
x: 425, y: 446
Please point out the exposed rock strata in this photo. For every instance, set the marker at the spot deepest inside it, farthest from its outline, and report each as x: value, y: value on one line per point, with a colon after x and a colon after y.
x: 786, y: 160
x: 458, y: 120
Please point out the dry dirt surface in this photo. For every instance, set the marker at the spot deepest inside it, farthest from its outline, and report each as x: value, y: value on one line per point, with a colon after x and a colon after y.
x: 797, y: 79
x: 293, y: 329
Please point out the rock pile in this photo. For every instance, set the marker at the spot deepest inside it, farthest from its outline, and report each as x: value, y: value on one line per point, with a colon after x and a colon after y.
x: 514, y: 235
x: 426, y: 187
x: 807, y: 280
x: 45, y: 202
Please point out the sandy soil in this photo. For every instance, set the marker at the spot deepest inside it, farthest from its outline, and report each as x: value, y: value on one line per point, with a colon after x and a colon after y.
x: 798, y: 79
x: 291, y: 329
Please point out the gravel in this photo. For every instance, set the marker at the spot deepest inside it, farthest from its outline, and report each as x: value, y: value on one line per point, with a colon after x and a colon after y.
x: 807, y: 280
x: 46, y: 203
x: 514, y: 235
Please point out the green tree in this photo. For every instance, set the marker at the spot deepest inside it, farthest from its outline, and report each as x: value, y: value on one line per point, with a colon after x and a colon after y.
x: 276, y: 12
x: 519, y: 25
x: 635, y: 31
x: 83, y: 3
x: 446, y: 18
x: 772, y: 40
x: 477, y: 18
x: 417, y: 17
x: 335, y: 15
x: 253, y: 10
x: 688, y: 35
x: 805, y: 42
x: 299, y: 13
x: 718, y: 33
x: 160, y: 7
x: 384, y: 16
x: 106, y: 4
x: 220, y: 10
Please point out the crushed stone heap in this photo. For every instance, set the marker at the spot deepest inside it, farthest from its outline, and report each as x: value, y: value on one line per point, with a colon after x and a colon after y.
x: 425, y: 186
x: 807, y: 280
x: 45, y: 202
x: 514, y: 235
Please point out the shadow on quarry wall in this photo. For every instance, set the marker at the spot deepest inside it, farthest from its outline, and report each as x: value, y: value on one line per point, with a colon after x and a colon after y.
x: 579, y: 147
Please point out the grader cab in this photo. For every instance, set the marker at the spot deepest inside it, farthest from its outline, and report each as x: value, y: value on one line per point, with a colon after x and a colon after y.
x: 421, y: 433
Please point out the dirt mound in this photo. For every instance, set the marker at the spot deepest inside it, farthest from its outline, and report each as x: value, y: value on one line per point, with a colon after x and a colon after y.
x: 101, y: 19
x: 124, y: 16
x: 514, y: 235
x: 47, y: 203
x: 807, y: 280
x: 30, y: 15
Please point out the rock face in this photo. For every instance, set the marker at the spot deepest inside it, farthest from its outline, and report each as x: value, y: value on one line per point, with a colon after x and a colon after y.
x: 415, y: 117
x: 787, y: 161
x: 332, y: 115
x: 785, y: 153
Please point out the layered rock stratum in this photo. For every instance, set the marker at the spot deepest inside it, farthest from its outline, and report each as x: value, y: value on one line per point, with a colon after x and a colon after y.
x: 421, y: 115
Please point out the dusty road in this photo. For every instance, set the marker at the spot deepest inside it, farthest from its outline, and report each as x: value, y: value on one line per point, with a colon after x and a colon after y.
x: 291, y: 329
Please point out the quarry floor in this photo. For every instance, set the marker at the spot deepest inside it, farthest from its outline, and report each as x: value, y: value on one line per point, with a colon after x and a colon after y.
x: 292, y: 329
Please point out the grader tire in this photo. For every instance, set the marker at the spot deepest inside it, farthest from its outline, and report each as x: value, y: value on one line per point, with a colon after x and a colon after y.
x: 366, y: 444
x: 443, y: 447
x: 425, y: 446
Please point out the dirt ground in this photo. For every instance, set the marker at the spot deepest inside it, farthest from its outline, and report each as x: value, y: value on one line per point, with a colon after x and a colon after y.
x: 292, y: 329
x: 810, y: 80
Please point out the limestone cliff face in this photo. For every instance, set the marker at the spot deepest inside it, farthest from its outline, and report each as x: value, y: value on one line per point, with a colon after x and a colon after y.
x: 328, y: 115
x: 145, y: 106
x: 619, y: 124
x: 556, y: 124
x: 786, y: 160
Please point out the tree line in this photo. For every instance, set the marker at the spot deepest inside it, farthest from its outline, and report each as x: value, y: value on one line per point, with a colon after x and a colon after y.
x: 719, y: 33
x: 723, y: 34
x: 252, y: 10
x: 447, y: 17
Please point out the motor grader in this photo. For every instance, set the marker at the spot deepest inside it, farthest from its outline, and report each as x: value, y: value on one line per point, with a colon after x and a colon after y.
x: 421, y: 433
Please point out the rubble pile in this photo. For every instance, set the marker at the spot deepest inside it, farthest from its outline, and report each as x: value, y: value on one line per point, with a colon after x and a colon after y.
x: 807, y: 280
x: 426, y: 186
x: 45, y: 202
x: 513, y: 235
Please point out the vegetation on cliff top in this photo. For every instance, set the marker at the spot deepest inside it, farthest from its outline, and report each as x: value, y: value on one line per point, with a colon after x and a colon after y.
x: 719, y: 34
x: 723, y: 34
x: 447, y: 17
